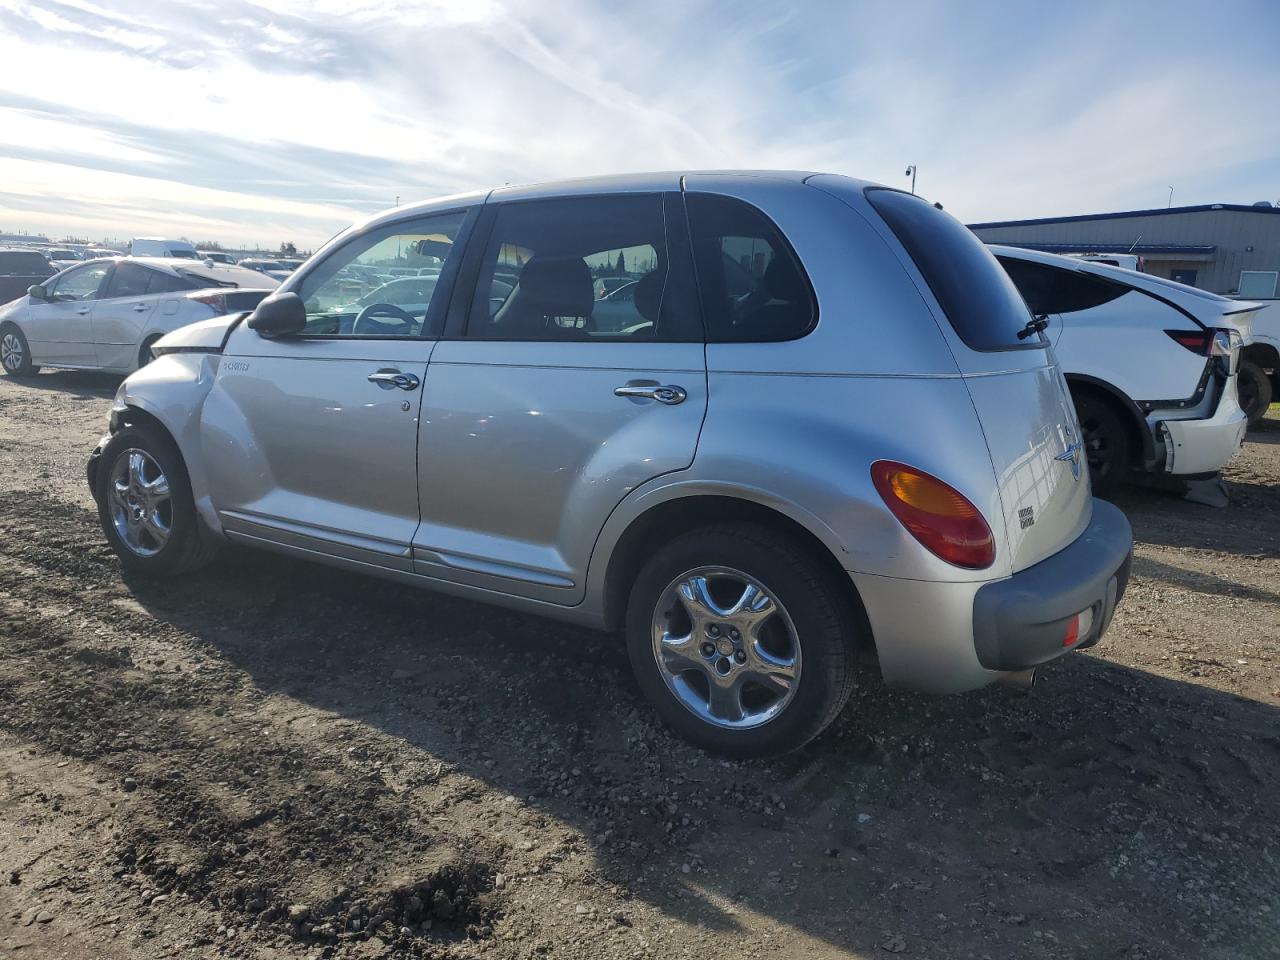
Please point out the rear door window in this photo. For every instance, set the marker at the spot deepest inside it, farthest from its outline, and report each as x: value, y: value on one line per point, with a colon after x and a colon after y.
x: 550, y: 267
x: 128, y: 280
x: 751, y: 283
x: 979, y: 299
x: 168, y: 283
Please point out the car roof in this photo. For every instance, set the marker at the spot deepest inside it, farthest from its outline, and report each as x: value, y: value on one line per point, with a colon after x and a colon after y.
x: 614, y: 183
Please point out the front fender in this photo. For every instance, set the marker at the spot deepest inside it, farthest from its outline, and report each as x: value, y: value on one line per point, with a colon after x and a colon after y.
x: 172, y: 389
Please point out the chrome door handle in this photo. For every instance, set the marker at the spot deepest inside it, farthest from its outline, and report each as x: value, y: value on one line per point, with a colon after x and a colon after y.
x: 669, y: 394
x: 387, y: 379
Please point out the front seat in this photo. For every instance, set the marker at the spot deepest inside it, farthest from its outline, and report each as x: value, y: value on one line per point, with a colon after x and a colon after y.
x: 550, y: 289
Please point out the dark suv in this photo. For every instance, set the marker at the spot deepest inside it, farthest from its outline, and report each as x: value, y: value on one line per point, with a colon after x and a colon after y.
x: 19, y: 269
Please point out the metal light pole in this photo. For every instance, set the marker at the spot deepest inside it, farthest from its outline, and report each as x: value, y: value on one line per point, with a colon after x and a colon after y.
x: 911, y: 172
x: 1170, y: 203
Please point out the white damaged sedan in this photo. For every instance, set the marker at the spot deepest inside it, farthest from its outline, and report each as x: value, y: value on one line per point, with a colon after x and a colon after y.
x: 106, y: 314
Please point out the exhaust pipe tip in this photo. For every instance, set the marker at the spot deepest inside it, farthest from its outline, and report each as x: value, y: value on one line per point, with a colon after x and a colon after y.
x: 1021, y: 679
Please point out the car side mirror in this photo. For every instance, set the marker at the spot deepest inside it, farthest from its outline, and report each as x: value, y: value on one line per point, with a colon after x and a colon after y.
x: 279, y: 315
x: 37, y: 292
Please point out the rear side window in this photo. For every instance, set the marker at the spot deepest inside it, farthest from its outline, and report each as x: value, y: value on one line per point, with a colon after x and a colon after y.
x: 751, y: 283
x: 979, y: 299
x: 128, y: 280
x: 168, y: 283
x: 551, y: 269
x: 1049, y: 289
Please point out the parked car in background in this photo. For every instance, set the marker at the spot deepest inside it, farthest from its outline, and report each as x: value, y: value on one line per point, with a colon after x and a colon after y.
x: 758, y: 490
x: 217, y: 256
x: 1151, y: 364
x: 95, y: 253
x: 106, y: 314
x: 19, y: 269
x: 1259, y: 376
x: 61, y: 257
x: 270, y: 268
x: 1127, y: 261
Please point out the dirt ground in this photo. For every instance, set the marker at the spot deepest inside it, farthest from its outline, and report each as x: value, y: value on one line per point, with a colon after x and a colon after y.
x: 275, y: 759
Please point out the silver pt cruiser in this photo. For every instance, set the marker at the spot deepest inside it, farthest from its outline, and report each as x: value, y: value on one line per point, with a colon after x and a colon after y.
x: 768, y: 425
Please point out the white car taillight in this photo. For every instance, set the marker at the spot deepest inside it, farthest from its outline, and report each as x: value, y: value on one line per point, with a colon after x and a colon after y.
x: 218, y: 301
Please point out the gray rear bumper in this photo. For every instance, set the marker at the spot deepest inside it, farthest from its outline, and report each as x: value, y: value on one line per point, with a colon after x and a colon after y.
x: 1020, y: 623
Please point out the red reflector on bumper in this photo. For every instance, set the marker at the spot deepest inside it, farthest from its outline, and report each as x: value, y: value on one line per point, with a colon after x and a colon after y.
x: 1073, y: 631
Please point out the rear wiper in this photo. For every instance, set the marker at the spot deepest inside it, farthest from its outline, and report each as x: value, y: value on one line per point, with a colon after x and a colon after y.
x: 1037, y: 324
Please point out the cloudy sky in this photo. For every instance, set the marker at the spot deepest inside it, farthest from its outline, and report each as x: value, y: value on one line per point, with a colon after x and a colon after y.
x: 244, y: 122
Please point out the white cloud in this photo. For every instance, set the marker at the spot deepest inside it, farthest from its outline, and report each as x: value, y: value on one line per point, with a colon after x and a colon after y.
x: 288, y: 120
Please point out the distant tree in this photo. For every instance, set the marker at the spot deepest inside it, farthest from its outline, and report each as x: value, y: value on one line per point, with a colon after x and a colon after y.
x: 621, y: 269
x: 208, y: 245
x: 288, y: 249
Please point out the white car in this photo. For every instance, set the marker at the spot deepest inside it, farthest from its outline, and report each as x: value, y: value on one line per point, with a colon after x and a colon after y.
x: 1259, y: 377
x: 106, y: 314
x: 160, y: 247
x: 1151, y: 363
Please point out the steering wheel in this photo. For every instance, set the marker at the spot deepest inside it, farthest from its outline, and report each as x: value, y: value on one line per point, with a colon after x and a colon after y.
x: 368, y: 317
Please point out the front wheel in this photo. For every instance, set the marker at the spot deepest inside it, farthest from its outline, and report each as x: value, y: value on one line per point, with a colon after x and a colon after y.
x: 742, y: 640
x: 145, y: 504
x: 1253, y: 388
x: 15, y: 353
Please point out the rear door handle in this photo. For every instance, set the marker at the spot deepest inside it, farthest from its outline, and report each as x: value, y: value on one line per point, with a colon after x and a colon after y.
x: 667, y: 393
x: 84, y: 311
x: 387, y: 379
x: 140, y: 308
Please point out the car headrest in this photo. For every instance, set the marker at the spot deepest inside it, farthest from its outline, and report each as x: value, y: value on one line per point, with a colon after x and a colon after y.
x: 648, y: 296
x: 782, y: 281
x: 556, y: 287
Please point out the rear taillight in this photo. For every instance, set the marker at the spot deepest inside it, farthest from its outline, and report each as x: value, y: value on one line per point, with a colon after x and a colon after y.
x: 1207, y: 343
x: 218, y: 301
x: 936, y: 514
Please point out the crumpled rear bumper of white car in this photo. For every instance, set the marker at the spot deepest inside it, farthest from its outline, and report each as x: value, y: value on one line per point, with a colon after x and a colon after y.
x: 1193, y: 447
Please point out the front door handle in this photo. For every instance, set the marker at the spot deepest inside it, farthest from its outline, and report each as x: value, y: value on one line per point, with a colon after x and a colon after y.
x: 140, y: 308
x: 668, y: 394
x: 387, y: 379
x: 83, y: 312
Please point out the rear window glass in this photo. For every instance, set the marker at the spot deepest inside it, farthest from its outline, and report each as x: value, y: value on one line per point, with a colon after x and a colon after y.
x: 23, y: 262
x: 751, y: 283
x: 981, y: 302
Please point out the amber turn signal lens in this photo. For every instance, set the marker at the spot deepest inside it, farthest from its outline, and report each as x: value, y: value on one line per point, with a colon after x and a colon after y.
x: 936, y: 514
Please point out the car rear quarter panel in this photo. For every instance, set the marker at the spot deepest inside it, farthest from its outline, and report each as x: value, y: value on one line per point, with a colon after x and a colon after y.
x: 805, y: 419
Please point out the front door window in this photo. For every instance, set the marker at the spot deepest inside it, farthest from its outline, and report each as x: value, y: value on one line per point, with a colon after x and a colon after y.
x: 382, y: 284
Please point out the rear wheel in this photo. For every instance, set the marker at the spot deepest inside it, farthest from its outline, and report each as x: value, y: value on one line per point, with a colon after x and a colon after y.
x: 1106, y: 443
x: 15, y: 354
x: 1253, y: 387
x: 742, y: 640
x: 145, y: 505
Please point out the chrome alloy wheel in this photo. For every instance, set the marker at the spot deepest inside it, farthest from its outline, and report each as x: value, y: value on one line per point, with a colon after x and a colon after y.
x: 11, y: 352
x: 726, y: 647
x: 138, y: 498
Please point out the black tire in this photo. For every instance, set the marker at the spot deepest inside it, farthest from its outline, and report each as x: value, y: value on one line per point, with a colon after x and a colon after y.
x: 1107, y: 444
x: 144, y: 352
x: 827, y: 633
x: 11, y: 339
x: 188, y: 546
x: 1253, y: 387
